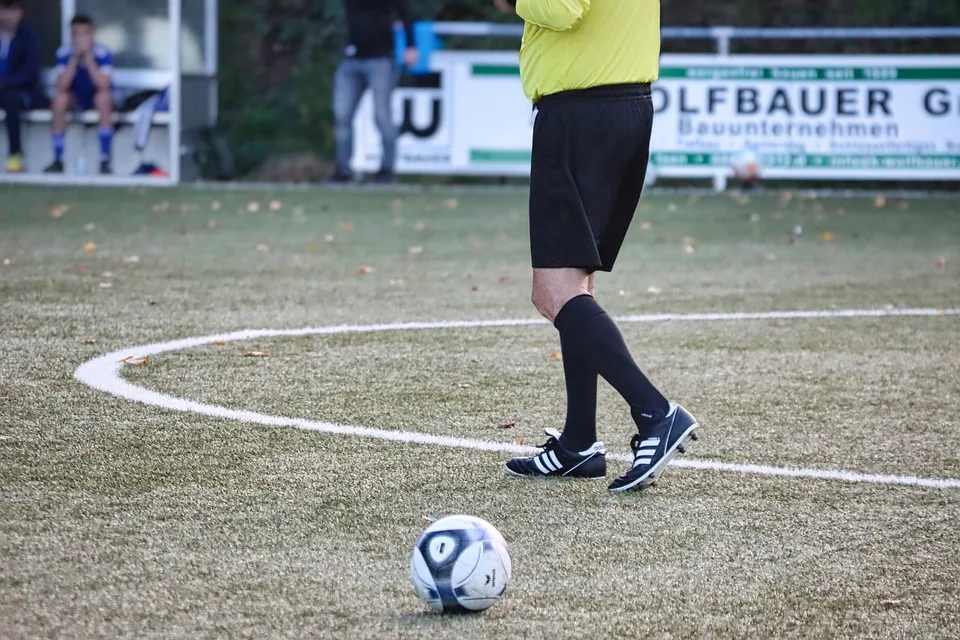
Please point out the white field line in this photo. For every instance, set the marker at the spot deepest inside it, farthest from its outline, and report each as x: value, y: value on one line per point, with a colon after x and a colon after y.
x: 103, y: 373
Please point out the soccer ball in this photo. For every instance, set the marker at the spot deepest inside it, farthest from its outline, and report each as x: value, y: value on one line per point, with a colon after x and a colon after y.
x: 460, y: 563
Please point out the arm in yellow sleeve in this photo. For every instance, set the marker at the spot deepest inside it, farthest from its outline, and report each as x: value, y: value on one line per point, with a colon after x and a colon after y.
x: 558, y: 15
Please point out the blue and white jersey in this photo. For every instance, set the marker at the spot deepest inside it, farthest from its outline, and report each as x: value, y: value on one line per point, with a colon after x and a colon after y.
x: 82, y: 82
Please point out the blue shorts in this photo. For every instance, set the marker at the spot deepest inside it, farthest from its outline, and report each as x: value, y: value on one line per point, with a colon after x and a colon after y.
x: 84, y: 99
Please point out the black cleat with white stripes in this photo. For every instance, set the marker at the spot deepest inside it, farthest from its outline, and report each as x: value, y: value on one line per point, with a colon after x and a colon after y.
x: 653, y: 450
x: 555, y: 461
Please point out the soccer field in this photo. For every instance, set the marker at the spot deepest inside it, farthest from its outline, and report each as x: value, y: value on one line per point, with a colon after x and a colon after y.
x: 822, y: 499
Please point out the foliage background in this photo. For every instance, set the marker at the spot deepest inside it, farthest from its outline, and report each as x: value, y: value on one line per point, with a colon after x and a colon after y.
x: 277, y: 57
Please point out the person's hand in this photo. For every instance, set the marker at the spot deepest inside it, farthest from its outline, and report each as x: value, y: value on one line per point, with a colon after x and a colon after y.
x: 505, y: 6
x: 411, y: 56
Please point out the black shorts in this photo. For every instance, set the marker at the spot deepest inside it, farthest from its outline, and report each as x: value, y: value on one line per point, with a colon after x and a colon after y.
x: 590, y: 152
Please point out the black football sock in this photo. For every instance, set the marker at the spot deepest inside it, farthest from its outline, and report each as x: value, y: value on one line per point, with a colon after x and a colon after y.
x: 580, y: 428
x: 592, y: 334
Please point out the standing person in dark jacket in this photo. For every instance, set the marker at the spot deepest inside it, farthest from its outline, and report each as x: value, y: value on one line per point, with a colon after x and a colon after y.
x: 19, y: 74
x: 368, y: 62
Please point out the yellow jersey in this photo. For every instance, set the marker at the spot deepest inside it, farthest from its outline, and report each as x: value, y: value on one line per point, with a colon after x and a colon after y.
x: 577, y: 44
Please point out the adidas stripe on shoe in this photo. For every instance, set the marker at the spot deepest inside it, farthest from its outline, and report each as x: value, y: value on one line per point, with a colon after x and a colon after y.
x: 555, y: 461
x: 653, y: 451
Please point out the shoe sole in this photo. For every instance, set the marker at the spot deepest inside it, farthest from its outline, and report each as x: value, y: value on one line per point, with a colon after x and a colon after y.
x: 543, y: 477
x: 652, y: 476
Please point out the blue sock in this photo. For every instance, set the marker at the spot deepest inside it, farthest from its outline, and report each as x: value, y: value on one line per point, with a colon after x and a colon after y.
x: 59, y: 142
x: 106, y: 140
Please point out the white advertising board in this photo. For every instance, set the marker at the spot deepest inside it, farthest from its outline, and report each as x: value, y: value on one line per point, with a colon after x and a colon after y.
x: 807, y: 117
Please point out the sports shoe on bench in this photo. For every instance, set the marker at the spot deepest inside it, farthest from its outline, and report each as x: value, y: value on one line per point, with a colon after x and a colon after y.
x: 653, y: 450
x: 555, y: 461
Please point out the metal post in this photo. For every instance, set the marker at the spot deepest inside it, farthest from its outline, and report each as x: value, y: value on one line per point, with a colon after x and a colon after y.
x: 176, y: 121
x: 722, y: 35
x: 211, y: 47
x: 68, y: 9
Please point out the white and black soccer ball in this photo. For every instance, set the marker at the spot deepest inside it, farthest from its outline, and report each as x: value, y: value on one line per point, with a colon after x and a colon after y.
x: 460, y: 564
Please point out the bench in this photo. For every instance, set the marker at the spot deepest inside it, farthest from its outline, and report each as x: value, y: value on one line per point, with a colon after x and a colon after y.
x: 82, y: 150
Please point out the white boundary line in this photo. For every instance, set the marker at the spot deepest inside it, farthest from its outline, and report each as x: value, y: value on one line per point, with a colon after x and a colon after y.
x: 103, y: 373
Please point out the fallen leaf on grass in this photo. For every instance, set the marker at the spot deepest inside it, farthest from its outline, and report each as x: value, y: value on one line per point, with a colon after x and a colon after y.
x: 939, y: 263
x: 474, y: 289
x: 90, y: 341
x: 137, y: 362
x: 504, y: 279
x: 256, y: 354
x: 219, y: 343
x: 518, y: 440
x: 347, y: 226
x: 82, y: 269
x: 89, y: 227
x: 826, y: 236
x: 509, y: 425
x: 90, y: 247
x: 59, y: 210
x: 365, y: 271
x: 879, y: 202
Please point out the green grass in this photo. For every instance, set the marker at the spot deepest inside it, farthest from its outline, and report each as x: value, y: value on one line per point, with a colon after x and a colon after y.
x: 122, y: 520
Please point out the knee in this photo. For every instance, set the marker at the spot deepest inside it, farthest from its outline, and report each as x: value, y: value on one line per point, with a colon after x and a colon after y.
x: 543, y: 303
x: 60, y: 102
x: 103, y: 101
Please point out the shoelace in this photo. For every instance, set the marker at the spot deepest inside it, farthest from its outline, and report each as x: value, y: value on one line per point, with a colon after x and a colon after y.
x: 551, y: 443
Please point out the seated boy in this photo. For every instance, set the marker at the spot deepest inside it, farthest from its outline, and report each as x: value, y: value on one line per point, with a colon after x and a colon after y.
x: 83, y: 83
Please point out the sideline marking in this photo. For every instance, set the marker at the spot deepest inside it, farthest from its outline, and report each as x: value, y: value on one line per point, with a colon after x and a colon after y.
x: 103, y: 373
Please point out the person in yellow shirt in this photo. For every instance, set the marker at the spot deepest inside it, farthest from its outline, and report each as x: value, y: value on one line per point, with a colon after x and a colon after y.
x: 587, y: 66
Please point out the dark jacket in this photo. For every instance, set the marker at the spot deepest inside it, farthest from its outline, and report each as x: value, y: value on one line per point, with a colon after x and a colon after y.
x: 23, y: 62
x: 370, y: 27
